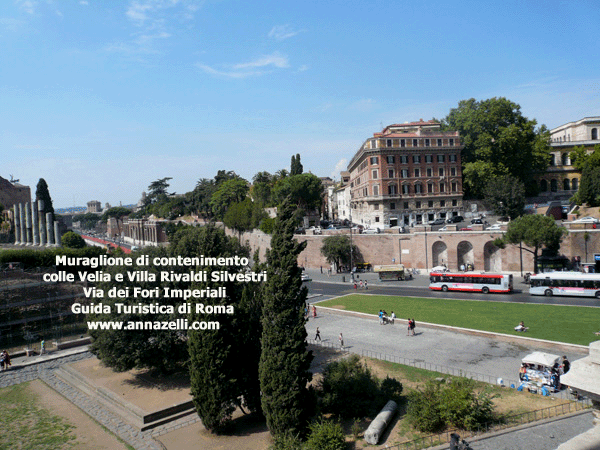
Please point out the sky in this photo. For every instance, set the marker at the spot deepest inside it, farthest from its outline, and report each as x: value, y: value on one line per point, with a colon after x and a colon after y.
x: 100, y: 98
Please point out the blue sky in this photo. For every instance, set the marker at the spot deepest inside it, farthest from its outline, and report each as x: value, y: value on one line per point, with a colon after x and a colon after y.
x: 100, y: 98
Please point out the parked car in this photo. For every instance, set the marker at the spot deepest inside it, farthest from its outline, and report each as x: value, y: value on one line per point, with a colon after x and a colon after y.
x: 372, y: 231
x: 444, y: 228
x: 467, y: 229
x: 437, y: 222
x: 587, y: 219
x: 455, y: 219
x: 477, y: 220
x: 495, y: 227
x: 300, y: 230
x: 305, y: 277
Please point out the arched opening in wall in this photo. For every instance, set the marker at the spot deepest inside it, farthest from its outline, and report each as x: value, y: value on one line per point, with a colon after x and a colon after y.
x: 566, y: 185
x: 465, y: 255
x: 553, y: 185
x: 575, y: 184
x: 544, y: 186
x: 594, y: 134
x: 565, y: 159
x: 439, y: 250
x: 492, y: 259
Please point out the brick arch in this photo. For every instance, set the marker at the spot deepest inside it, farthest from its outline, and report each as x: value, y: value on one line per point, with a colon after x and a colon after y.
x: 439, y: 252
x: 465, y: 253
x: 492, y: 258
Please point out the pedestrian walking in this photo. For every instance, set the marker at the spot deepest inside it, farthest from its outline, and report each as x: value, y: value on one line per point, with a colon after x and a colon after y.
x: 361, y: 284
x: 314, y: 312
x: 409, y: 327
x: 43, y: 347
x: 318, y: 335
x: 341, y: 342
x: 355, y: 285
x: 412, y: 326
x: 321, y: 270
x: 366, y: 285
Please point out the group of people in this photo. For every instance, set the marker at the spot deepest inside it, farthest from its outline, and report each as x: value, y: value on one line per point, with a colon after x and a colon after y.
x: 360, y: 284
x: 528, y: 371
x: 340, y: 338
x: 385, y: 318
x: 307, y: 311
x: 4, y: 360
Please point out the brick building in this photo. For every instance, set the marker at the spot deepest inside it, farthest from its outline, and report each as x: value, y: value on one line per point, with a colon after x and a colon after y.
x: 407, y: 174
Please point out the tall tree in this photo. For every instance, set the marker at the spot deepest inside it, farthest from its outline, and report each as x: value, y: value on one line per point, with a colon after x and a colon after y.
x: 296, y: 167
x: 337, y: 250
x: 42, y: 193
x: 589, y: 164
x: 158, y: 189
x: 285, y: 361
x: 228, y: 192
x: 506, y: 195
x: 536, y: 231
x: 500, y: 140
x: 303, y: 190
x: 223, y: 361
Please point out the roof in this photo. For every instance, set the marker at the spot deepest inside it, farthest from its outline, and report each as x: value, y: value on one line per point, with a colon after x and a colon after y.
x: 545, y: 359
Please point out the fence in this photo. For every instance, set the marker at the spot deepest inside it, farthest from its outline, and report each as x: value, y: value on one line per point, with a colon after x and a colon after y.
x: 508, y: 422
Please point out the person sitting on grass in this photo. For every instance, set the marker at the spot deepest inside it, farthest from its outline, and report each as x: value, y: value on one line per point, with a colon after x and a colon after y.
x: 521, y: 327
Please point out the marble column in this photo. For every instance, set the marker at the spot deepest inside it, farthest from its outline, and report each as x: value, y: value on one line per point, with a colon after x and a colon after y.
x: 22, y: 220
x: 56, y: 234
x: 35, y: 224
x: 49, y: 229
x: 28, y: 223
x: 17, y: 222
x: 42, y: 222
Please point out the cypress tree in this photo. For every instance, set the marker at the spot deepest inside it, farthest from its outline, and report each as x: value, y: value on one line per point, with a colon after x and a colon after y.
x: 285, y: 361
x: 42, y: 193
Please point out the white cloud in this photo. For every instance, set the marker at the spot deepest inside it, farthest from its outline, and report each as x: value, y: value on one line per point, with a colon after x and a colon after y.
x: 84, y: 2
x: 10, y: 24
x: 341, y: 165
x: 281, y: 32
x: 257, y: 67
x: 27, y: 5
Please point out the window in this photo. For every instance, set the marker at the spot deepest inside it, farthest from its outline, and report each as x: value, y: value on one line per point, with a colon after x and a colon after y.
x: 374, y: 160
x: 566, y: 185
x: 429, y: 171
x: 418, y: 205
x: 392, y: 189
x: 553, y: 185
x: 553, y: 159
x: 442, y: 203
x: 376, y: 189
x: 565, y: 159
x: 405, y: 189
x: 416, y: 159
x: 390, y: 159
x: 414, y: 143
x: 376, y: 218
x: 454, y: 187
x: 454, y: 202
x: 374, y: 173
x: 388, y: 143
x: 442, y: 187
x: 402, y: 143
x: 574, y: 184
x: 405, y: 205
x: 439, y: 142
x: 429, y: 188
x: 441, y: 158
x: 373, y: 144
x: 441, y: 171
x: 417, y: 173
x: 404, y: 159
x: 544, y: 186
x: 392, y: 205
x: 390, y: 173
x: 418, y: 188
x: 426, y: 142
x: 451, y: 142
x: 428, y: 158
x: 452, y: 158
x: 430, y: 204
x: 594, y: 134
x: 376, y: 206
x: 404, y: 173
x: 453, y: 171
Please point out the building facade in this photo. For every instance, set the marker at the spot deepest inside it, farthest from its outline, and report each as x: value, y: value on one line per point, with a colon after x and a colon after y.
x: 561, y: 179
x: 406, y: 175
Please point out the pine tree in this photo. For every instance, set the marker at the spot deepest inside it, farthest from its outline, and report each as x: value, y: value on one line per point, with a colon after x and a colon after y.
x: 42, y: 193
x: 296, y: 167
x: 285, y: 361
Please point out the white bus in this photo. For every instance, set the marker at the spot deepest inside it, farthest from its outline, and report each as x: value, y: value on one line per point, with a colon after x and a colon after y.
x: 565, y: 283
x: 470, y: 282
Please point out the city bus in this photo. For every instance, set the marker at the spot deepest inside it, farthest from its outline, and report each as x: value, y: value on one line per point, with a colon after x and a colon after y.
x: 390, y: 272
x: 471, y: 282
x: 565, y: 283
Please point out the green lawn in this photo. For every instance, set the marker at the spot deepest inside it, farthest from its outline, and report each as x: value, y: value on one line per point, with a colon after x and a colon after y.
x: 570, y: 324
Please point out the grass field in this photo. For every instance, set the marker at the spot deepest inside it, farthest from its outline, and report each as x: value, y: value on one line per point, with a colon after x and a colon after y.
x: 570, y: 324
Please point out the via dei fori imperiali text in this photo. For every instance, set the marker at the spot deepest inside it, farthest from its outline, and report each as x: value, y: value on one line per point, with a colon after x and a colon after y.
x: 93, y: 274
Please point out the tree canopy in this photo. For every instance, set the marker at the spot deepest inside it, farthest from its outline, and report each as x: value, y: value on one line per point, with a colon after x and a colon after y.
x: 72, y: 240
x: 304, y: 190
x: 498, y: 140
x: 42, y: 193
x: 589, y: 164
x: 536, y: 231
x: 228, y: 192
x: 506, y: 195
x: 87, y: 221
x: 337, y: 250
x: 296, y: 167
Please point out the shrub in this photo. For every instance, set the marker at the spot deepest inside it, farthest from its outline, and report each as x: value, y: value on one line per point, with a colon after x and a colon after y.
x: 286, y: 442
x: 325, y: 436
x: 72, y: 240
x: 454, y: 404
